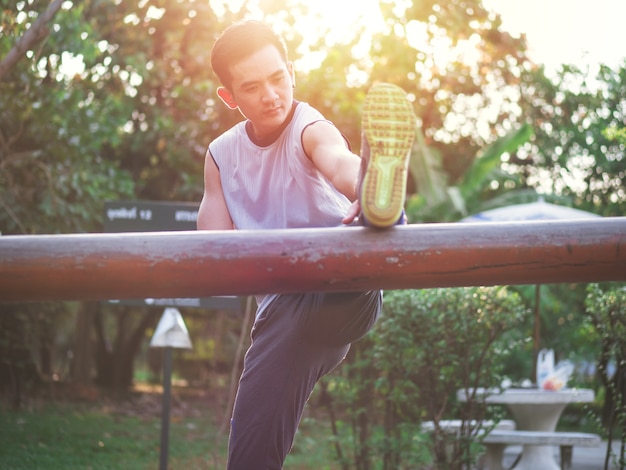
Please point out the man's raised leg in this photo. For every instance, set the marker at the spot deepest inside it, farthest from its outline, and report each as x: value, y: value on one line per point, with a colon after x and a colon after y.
x: 388, y: 128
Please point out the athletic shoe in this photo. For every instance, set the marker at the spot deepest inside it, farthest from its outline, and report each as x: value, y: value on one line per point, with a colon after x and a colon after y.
x: 388, y: 129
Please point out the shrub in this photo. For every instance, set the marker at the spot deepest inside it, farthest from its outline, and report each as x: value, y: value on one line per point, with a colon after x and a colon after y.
x: 607, y: 314
x: 427, y: 345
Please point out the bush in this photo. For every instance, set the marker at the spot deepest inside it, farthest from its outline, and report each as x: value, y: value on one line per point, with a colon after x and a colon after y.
x: 427, y: 345
x: 607, y: 314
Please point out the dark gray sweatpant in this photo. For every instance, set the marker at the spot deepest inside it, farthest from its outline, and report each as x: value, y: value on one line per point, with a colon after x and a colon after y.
x: 295, y: 341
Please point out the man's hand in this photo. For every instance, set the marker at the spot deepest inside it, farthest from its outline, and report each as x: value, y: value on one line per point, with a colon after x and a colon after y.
x: 353, y: 212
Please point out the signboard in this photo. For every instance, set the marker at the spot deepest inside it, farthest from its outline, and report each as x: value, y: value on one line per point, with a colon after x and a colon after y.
x: 149, y: 216
x: 210, y: 303
x: 155, y: 216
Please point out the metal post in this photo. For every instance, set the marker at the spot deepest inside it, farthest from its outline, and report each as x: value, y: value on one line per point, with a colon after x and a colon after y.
x: 165, y: 412
x: 171, y: 332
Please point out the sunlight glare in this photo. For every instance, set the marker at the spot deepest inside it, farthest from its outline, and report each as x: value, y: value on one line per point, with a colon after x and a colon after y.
x: 342, y: 17
x: 567, y: 31
x: 339, y: 21
x: 71, y: 65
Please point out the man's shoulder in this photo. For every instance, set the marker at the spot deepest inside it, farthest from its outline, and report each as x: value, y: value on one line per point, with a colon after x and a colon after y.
x: 306, y: 114
x: 234, y: 132
x: 302, y: 107
x: 228, y: 141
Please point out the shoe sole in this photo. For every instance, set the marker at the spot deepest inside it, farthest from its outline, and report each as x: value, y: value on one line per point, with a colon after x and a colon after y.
x: 388, y: 123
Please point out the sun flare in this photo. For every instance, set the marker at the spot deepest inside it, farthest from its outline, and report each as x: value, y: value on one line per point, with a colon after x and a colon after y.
x: 338, y: 22
x: 342, y: 17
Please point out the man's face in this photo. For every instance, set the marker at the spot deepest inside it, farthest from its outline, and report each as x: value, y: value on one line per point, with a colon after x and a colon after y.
x: 262, y: 89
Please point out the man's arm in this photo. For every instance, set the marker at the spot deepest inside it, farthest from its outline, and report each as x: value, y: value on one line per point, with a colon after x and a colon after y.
x: 328, y: 151
x: 213, y: 213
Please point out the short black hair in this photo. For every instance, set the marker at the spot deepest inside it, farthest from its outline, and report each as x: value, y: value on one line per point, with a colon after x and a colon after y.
x: 239, y: 41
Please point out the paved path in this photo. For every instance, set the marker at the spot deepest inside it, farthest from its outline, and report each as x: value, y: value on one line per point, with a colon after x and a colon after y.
x: 584, y: 458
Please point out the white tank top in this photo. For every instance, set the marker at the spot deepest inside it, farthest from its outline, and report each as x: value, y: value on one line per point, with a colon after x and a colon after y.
x: 276, y: 186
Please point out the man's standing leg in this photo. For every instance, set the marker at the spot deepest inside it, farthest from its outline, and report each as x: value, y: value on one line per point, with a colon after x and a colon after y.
x: 297, y: 340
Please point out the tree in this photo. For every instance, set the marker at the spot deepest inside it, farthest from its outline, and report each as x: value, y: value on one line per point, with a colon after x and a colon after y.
x: 606, y: 306
x: 572, y: 156
x: 54, y: 165
x: 54, y: 145
x: 118, y: 346
x: 118, y: 102
x: 462, y: 71
x: 16, y: 363
x: 30, y: 37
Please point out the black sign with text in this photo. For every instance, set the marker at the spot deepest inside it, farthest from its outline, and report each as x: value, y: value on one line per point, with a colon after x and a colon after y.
x: 149, y: 216
x: 152, y: 216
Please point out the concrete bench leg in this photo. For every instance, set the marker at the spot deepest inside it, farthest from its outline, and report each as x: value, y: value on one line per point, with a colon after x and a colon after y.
x: 566, y: 457
x: 493, y: 457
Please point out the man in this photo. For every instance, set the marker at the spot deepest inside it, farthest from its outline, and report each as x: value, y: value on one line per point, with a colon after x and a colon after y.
x: 286, y: 166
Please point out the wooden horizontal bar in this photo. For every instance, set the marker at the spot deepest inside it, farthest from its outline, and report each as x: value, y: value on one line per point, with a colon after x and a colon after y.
x: 198, y: 264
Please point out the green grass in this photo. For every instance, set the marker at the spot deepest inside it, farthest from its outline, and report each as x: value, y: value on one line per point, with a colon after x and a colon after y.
x: 126, y: 436
x: 74, y: 436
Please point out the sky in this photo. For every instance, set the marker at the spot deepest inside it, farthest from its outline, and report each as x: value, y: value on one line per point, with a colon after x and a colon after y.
x: 558, y: 31
x: 567, y: 31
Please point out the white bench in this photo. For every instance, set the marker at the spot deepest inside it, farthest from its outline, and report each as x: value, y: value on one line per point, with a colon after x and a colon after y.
x: 498, y: 439
x: 453, y: 426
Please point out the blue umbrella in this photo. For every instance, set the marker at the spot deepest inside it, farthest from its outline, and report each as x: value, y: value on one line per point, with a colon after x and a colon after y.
x: 539, y: 210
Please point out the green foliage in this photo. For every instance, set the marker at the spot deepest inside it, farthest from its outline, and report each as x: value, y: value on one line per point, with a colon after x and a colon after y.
x: 607, y: 315
x: 484, y: 164
x: 146, y: 68
x: 427, y: 345
x: 435, y: 200
x: 574, y: 114
x: 430, y: 181
x: 54, y: 165
x: 29, y: 331
x: 615, y: 133
x: 424, y: 51
x: 135, y: 122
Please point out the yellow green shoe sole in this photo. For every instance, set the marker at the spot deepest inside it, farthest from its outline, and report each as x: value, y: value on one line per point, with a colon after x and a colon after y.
x: 388, y: 124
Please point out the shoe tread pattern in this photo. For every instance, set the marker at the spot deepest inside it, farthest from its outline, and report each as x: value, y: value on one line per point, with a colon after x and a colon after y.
x: 388, y: 123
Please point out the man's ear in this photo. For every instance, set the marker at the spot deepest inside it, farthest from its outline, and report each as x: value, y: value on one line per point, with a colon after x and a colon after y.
x: 227, y: 97
x: 292, y: 74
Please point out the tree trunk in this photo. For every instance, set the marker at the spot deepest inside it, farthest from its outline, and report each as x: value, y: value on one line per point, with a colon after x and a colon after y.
x: 115, y: 361
x: 17, y: 367
x: 32, y: 35
x: 46, y: 340
x: 82, y: 361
